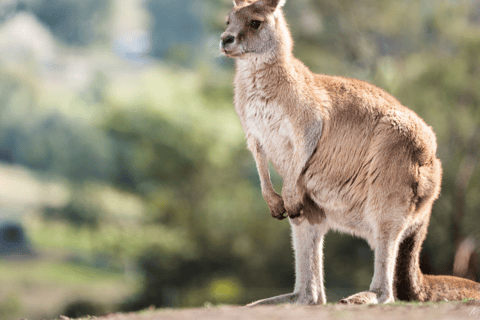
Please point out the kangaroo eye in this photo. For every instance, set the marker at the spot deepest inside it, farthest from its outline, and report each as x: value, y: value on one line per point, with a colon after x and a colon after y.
x: 255, y: 24
x: 228, y: 22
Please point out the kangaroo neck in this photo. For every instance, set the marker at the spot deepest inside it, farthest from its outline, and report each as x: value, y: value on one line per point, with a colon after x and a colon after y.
x: 270, y: 74
x: 278, y: 59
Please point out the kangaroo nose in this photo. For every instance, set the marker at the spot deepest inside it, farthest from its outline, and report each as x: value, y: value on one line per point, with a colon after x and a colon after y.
x: 227, y: 39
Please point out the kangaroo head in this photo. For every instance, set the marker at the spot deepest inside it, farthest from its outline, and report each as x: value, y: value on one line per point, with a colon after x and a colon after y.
x: 252, y: 28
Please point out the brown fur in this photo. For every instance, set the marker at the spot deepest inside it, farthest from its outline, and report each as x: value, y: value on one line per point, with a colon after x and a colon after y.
x: 351, y: 156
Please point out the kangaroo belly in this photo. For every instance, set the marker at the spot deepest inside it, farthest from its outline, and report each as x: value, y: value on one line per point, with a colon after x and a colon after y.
x: 342, y: 214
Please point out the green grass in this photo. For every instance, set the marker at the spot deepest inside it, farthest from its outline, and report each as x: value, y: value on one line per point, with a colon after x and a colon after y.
x: 122, y: 241
x: 54, y: 272
x: 41, y: 288
x: 427, y: 303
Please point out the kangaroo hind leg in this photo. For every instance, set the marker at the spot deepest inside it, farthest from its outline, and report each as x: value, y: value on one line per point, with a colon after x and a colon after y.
x: 388, y: 231
x: 308, y: 247
x: 381, y: 288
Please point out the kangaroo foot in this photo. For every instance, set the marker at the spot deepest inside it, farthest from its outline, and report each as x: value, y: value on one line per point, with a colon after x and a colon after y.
x: 284, y: 298
x: 293, y: 298
x: 367, y: 297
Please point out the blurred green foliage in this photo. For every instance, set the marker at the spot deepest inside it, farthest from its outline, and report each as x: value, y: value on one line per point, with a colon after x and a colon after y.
x: 74, y: 22
x: 166, y: 132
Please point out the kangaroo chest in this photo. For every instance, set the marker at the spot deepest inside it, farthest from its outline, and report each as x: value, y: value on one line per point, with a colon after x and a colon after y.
x: 267, y: 123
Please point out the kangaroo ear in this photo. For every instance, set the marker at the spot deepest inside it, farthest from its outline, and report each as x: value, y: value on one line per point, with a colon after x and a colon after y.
x: 281, y: 3
x: 238, y: 3
x: 275, y: 4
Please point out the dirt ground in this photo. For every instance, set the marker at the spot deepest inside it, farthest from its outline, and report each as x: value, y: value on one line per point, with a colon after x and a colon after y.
x: 445, y: 310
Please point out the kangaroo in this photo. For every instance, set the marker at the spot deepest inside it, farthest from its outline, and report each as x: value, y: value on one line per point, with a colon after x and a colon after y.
x: 351, y: 156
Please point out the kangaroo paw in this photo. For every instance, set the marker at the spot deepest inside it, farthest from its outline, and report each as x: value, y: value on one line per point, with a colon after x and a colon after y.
x: 275, y: 204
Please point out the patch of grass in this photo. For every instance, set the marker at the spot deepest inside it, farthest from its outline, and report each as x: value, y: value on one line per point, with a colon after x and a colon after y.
x: 54, y: 272
x: 427, y: 303
x: 116, y: 239
x: 37, y: 289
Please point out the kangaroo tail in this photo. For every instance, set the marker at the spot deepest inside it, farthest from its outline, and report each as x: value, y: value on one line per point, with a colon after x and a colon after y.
x: 450, y: 288
x: 410, y: 284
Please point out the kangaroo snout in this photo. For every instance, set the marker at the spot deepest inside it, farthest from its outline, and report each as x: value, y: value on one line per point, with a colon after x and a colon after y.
x: 227, y: 44
x: 226, y: 39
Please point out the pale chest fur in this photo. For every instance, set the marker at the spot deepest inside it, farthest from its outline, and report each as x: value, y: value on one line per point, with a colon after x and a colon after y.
x: 265, y: 121
x: 263, y: 116
x: 268, y: 101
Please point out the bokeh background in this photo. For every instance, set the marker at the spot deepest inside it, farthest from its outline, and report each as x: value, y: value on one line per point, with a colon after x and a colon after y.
x: 125, y: 182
